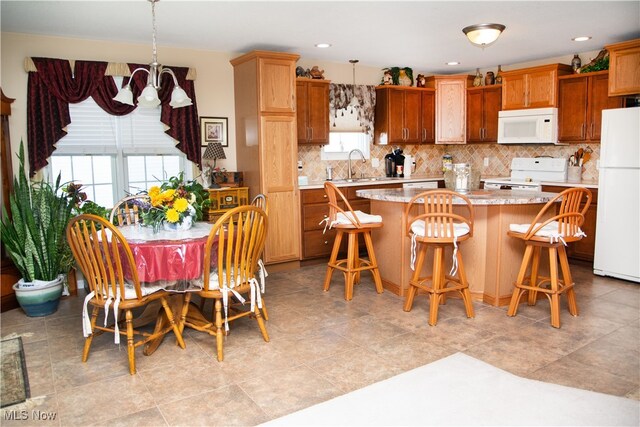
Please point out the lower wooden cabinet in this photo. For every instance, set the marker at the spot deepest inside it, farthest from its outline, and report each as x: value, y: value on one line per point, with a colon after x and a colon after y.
x: 585, y: 248
x: 314, y: 209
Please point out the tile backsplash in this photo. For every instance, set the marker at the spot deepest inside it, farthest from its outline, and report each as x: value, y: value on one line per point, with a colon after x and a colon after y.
x: 429, y: 159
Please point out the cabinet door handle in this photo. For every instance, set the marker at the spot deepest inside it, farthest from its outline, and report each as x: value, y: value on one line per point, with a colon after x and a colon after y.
x: 593, y: 127
x: 583, y: 128
x: 326, y: 242
x: 480, y: 133
x: 324, y: 195
x: 424, y: 134
x: 311, y: 137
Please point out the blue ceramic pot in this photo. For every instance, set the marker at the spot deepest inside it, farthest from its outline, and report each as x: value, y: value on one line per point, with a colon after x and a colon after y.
x: 40, y: 299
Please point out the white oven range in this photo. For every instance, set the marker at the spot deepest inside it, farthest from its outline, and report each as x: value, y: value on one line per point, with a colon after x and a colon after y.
x: 527, y: 173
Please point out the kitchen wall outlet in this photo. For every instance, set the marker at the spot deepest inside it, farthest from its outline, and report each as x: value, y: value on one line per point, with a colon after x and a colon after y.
x: 598, y: 164
x: 375, y: 162
x: 486, y: 162
x: 299, y: 165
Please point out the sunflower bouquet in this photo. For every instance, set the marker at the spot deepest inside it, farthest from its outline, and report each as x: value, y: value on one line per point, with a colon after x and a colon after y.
x: 174, y: 205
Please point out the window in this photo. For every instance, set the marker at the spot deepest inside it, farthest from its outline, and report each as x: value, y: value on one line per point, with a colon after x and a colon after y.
x: 112, y: 156
x: 341, y: 143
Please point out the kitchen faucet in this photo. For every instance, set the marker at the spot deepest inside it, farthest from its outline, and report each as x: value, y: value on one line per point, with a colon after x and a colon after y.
x: 350, y: 171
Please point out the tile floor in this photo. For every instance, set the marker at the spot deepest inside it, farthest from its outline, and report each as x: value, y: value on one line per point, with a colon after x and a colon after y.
x: 321, y: 347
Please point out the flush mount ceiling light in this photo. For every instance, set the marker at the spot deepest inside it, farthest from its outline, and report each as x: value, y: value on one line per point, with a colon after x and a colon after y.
x: 323, y: 45
x: 452, y: 63
x: 483, y: 34
x: 149, y: 96
x: 581, y: 38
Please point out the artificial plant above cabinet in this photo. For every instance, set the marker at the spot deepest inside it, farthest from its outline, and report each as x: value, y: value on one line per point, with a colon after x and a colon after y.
x: 624, y: 68
x: 404, y: 115
x: 312, y: 110
x: 534, y: 87
x: 581, y: 99
x: 483, y: 104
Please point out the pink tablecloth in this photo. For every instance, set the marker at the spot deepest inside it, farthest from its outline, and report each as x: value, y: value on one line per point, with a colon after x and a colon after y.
x: 169, y: 260
x: 168, y: 255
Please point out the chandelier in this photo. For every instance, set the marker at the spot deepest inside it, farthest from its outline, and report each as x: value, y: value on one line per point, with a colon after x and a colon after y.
x: 149, y: 96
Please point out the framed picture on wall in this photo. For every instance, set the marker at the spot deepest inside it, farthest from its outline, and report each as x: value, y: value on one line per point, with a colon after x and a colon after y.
x: 214, y: 129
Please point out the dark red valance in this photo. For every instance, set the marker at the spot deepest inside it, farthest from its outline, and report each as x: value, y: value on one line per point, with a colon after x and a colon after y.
x: 53, y: 87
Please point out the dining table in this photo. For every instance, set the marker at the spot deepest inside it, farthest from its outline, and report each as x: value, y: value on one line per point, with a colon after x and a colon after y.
x: 171, y: 260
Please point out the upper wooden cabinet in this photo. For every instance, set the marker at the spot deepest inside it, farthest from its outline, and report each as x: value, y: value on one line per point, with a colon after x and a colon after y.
x: 483, y: 104
x: 534, y: 87
x: 312, y: 105
x: 428, y: 128
x: 581, y: 99
x: 266, y: 144
x: 277, y: 93
x: 451, y: 95
x: 398, y: 115
x: 624, y: 68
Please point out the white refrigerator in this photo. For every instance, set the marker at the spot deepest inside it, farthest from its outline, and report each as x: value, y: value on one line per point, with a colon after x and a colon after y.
x: 618, y: 226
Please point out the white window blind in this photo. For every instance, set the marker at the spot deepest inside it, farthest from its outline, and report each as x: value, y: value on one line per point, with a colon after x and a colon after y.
x: 112, y: 156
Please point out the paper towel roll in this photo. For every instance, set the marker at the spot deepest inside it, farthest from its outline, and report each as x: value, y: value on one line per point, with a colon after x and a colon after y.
x: 408, y: 163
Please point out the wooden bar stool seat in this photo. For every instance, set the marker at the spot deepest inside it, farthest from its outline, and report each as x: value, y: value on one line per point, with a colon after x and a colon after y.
x: 353, y: 224
x: 552, y: 234
x: 431, y: 222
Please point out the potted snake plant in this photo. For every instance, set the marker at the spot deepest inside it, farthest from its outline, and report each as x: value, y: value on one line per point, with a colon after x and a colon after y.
x: 34, y: 238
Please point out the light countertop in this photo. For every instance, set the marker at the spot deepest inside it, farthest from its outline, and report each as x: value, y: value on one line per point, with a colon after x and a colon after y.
x: 372, y: 181
x: 425, y: 178
x: 477, y: 197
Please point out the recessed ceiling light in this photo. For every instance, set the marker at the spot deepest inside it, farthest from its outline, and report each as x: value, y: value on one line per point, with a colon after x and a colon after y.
x: 581, y: 38
x: 452, y: 63
x: 323, y: 45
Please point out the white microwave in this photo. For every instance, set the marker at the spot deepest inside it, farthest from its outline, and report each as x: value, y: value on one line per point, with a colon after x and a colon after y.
x: 532, y: 126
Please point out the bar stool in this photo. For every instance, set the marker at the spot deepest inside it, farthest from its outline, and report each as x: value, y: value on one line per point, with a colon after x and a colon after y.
x: 553, y: 234
x: 437, y: 226
x: 352, y: 223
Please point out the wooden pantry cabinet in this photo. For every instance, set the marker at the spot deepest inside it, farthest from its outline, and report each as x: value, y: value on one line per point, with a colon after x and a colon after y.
x: 624, y: 68
x: 535, y: 87
x: 404, y: 115
x: 483, y: 105
x: 451, y: 98
x: 581, y: 99
x: 312, y: 111
x: 266, y: 144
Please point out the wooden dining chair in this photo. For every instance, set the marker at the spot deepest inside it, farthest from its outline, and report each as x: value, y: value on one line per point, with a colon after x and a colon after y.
x: 104, y: 256
x: 553, y: 233
x: 353, y: 224
x: 239, y: 237
x: 260, y: 201
x: 430, y: 221
x: 126, y: 212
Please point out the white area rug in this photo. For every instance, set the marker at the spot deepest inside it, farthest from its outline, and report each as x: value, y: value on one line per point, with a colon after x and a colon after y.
x: 461, y: 390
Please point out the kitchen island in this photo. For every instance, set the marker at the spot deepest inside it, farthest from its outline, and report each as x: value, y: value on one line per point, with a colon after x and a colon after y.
x: 491, y: 258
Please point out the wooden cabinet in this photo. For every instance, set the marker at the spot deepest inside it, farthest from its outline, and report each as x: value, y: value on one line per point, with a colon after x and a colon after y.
x: 9, y: 274
x: 314, y: 209
x: 428, y: 116
x: 451, y: 96
x: 400, y: 116
x: 584, y: 248
x: 266, y: 144
x: 581, y: 99
x: 534, y: 87
x: 483, y: 104
x: 312, y: 105
x: 223, y: 200
x: 624, y: 68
